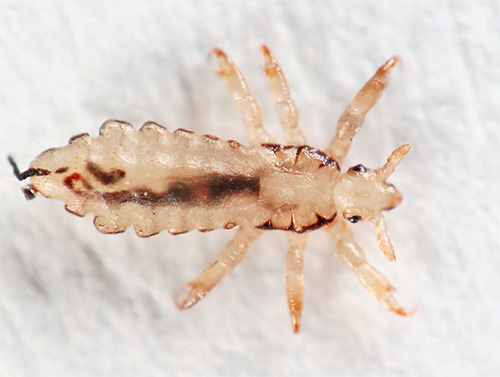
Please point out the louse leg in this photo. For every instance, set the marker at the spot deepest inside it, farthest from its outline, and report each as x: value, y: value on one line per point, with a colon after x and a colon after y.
x: 227, y: 259
x: 354, y: 258
x: 353, y: 116
x: 287, y: 111
x: 295, y: 277
x: 245, y: 102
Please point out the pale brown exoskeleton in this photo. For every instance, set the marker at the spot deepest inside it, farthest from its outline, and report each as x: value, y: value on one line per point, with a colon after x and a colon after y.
x: 179, y: 181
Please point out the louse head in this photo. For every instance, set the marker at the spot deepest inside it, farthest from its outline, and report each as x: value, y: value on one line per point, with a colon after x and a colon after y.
x: 362, y: 194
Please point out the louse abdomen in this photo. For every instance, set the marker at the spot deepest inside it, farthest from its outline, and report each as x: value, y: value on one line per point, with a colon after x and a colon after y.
x: 154, y: 180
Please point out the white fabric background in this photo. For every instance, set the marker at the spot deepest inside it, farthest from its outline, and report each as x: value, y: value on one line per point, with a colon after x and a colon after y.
x: 74, y: 302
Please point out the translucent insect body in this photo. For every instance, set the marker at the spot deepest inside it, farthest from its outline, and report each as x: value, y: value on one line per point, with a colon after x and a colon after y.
x: 155, y: 180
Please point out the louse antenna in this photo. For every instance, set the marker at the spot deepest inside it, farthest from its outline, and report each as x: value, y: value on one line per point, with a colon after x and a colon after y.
x: 15, y: 168
x: 393, y: 161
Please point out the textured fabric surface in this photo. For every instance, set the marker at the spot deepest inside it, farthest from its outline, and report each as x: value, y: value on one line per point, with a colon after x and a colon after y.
x: 74, y: 302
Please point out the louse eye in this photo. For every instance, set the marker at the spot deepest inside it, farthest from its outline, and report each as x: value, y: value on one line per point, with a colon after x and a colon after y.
x: 353, y: 219
x: 358, y: 169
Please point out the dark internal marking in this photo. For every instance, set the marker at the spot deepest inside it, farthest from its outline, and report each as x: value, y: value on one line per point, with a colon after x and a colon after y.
x: 324, y: 158
x: 105, y: 177
x: 179, y: 192
x: 211, y: 189
x: 222, y: 186
x: 62, y: 170
x: 321, y: 221
x: 69, y: 181
x: 146, y: 198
